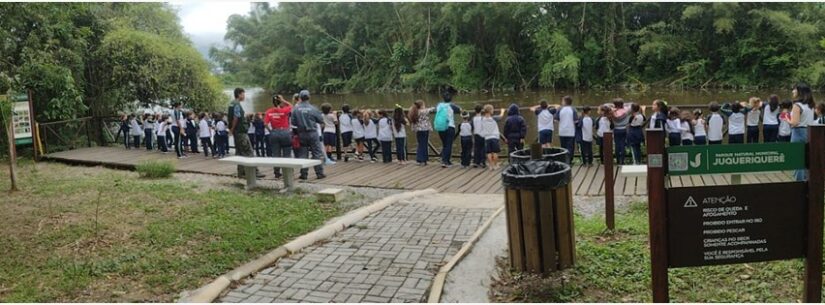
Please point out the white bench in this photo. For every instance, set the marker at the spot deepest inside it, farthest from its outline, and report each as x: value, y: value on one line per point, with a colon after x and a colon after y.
x: 289, y: 165
x: 633, y: 170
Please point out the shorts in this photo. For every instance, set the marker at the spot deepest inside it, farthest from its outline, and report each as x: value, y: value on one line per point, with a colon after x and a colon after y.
x: 545, y: 136
x: 493, y: 146
x: 346, y: 138
x: 330, y: 139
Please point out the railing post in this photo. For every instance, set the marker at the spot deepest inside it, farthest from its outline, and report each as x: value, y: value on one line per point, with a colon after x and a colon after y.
x: 816, y: 187
x: 657, y: 213
x: 609, y: 181
x: 338, y: 139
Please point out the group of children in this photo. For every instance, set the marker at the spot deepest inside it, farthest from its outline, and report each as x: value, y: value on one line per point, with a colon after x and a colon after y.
x: 363, y: 132
x: 210, y: 130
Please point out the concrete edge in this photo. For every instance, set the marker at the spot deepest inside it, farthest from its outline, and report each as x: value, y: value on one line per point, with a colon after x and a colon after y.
x: 438, y: 282
x: 211, y: 291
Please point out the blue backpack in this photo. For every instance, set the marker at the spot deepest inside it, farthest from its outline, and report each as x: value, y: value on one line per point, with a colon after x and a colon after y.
x: 442, y: 117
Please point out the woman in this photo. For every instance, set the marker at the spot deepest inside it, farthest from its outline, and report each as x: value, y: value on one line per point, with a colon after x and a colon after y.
x: 802, y: 115
x: 445, y: 125
x: 419, y: 117
x: 276, y: 120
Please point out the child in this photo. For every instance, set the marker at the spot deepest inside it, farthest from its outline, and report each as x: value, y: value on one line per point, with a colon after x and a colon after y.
x: 135, y: 130
x: 399, y: 122
x: 161, y: 133
x: 489, y: 130
x: 221, y: 136
x: 604, y: 126
x: 419, y: 118
x: 371, y: 135
x: 674, y: 127
x: 385, y: 135
x: 124, y: 129
x: 479, y: 152
x: 752, y: 119
x: 659, y: 117
x: 345, y: 125
x: 736, y: 122
x: 250, y: 131
x: 716, y: 123
x: 465, y: 131
x: 260, y: 135
x: 148, y: 130
x: 544, y: 118
x: 687, y: 128
x: 515, y: 129
x: 192, y: 132
x: 358, y: 134
x: 330, y: 138
x: 699, y: 133
x: 587, y: 137
x: 635, y: 135
x: 205, y: 134
x: 567, y: 117
x: 770, y: 119
x: 784, y: 132
x: 820, y: 113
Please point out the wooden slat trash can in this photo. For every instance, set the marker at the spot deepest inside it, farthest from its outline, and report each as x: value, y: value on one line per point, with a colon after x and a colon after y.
x: 539, y: 209
x: 547, y: 154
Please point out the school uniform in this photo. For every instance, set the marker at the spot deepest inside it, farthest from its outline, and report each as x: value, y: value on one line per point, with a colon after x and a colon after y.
x: 587, y: 140
x: 124, y: 129
x: 330, y: 139
x: 148, y: 133
x: 192, y: 135
x: 620, y: 122
x: 177, y: 124
x: 260, y: 137
x: 385, y: 138
x: 135, y: 131
x: 491, y: 134
x: 715, y: 125
x: 161, y: 133
x: 635, y: 137
x: 736, y: 128
x: 205, y: 134
x: 345, y: 125
x: 371, y: 137
x: 567, y: 118
x: 752, y: 122
x: 699, y: 132
x: 222, y: 138
x: 603, y: 126
x: 674, y: 131
x: 770, y: 124
x: 479, y: 150
x: 687, y: 136
x: 400, y: 141
x: 544, y: 120
x: 465, y: 131
x: 357, y: 131
x: 783, y: 132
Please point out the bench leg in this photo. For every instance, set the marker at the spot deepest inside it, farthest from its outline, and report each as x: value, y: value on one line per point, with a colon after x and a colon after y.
x: 250, y: 177
x: 289, y: 179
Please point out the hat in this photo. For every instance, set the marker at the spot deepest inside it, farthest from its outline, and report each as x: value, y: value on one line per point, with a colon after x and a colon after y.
x: 304, y: 93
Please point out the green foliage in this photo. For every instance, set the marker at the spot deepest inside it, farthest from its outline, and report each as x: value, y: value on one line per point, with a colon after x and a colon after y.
x: 155, y: 169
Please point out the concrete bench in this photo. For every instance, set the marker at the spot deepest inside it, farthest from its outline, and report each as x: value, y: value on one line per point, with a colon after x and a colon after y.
x: 289, y: 165
x: 633, y: 170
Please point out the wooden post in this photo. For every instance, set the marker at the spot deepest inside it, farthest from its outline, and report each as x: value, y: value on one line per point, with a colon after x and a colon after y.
x: 535, y: 151
x: 816, y: 186
x: 609, y: 183
x: 657, y: 213
x: 12, y: 148
x: 338, y: 140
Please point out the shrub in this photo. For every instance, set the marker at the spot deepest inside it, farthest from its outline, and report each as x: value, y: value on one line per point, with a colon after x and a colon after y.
x: 155, y: 169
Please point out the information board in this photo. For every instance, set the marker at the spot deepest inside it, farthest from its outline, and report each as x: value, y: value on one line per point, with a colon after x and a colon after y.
x: 729, y: 224
x: 736, y: 158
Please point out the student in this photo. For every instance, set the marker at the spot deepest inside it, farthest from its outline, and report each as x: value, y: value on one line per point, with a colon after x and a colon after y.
x: 371, y: 135
x: 736, y: 122
x: 330, y: 138
x: 251, y: 130
x: 419, y: 116
x: 567, y: 118
x: 635, y: 135
x: 345, y: 125
x: 783, y: 134
x: 385, y: 135
x: 603, y: 126
x: 687, y: 128
x: 752, y: 119
x: 465, y: 131
x: 491, y: 134
x: 770, y: 119
x: 260, y: 135
x: 659, y: 117
x: 124, y: 129
x: 399, y: 124
x: 820, y: 113
x: 716, y: 123
x: 479, y: 150
x: 620, y: 118
x: 358, y: 134
x: 674, y: 127
x: 192, y: 132
x: 515, y: 129
x: 699, y: 129
x: 587, y: 137
x: 148, y: 130
x: 161, y: 133
x: 135, y: 130
x: 221, y: 136
x: 205, y: 134
x: 545, y: 121
x: 177, y: 130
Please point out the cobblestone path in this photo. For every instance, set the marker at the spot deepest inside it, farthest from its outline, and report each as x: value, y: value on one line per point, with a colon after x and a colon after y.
x: 390, y: 256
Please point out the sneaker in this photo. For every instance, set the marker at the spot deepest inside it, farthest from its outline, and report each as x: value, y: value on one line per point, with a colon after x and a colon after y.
x: 329, y: 162
x: 463, y: 166
x: 321, y: 176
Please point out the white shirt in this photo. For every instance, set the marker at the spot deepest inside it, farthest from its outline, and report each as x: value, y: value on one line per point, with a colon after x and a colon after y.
x: 148, y: 125
x: 587, y: 129
x: 715, y: 124
x: 220, y: 126
x: 357, y: 128
x: 638, y: 120
x: 477, y: 124
x: 806, y: 115
x: 162, y: 129
x: 384, y: 129
x: 784, y: 128
x: 370, y: 130
x: 545, y: 119
x: 465, y: 130
x: 770, y: 117
x: 345, y: 123
x: 674, y: 126
x: 329, y: 123
x: 753, y: 117
x: 135, y: 128
x: 686, y: 135
x: 699, y: 127
x: 567, y: 124
x: 251, y: 129
x: 400, y: 133
x: 736, y: 123
x: 604, y: 126
x: 489, y: 128
x: 203, y: 129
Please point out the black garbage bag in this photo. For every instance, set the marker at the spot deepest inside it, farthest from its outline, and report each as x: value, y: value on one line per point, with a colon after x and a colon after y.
x: 536, y: 174
x: 548, y: 154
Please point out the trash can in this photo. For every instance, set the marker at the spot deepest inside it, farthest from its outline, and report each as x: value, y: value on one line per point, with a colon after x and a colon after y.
x: 539, y: 209
x: 547, y: 154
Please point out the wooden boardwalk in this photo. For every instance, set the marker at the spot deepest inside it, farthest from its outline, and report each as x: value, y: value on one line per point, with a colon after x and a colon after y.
x: 587, y: 181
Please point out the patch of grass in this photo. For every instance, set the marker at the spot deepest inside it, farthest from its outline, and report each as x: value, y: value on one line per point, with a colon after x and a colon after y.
x: 155, y: 169
x: 143, y: 241
x: 615, y: 267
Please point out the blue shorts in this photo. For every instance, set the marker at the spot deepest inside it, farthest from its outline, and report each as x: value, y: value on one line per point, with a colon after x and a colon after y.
x: 330, y: 139
x: 546, y: 136
x: 346, y: 138
x: 493, y: 146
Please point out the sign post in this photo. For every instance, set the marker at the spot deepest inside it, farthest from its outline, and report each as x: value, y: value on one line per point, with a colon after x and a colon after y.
x: 609, y: 183
x: 816, y: 186
x: 657, y: 213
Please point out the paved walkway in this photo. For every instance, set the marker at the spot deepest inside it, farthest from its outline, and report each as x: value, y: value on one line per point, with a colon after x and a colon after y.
x: 390, y: 256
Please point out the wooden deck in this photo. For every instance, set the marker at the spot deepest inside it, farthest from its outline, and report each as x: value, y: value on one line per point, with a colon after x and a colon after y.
x: 587, y: 181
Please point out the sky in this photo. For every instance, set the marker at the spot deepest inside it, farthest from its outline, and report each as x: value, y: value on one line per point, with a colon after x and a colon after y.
x: 205, y: 21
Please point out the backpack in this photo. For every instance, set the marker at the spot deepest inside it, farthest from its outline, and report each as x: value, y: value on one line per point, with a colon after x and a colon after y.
x: 442, y: 118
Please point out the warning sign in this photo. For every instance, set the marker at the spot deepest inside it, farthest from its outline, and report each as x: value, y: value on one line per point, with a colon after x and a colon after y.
x: 690, y: 203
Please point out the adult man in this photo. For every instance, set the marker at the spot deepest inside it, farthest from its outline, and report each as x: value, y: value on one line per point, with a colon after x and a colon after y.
x: 238, y: 128
x: 306, y: 118
x: 276, y: 121
x: 178, y: 124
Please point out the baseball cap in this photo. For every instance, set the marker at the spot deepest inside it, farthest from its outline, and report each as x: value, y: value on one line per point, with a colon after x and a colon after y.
x: 304, y: 93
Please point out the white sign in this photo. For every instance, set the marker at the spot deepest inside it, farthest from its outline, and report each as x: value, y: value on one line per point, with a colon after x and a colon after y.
x: 21, y: 121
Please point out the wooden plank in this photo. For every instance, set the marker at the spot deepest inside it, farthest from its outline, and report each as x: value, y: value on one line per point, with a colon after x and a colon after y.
x: 641, y: 186
x: 514, y: 230
x: 530, y: 227
x: 562, y: 202
x: 548, y: 233
x: 696, y: 180
x: 630, y: 186
x: 578, y: 176
x: 488, y: 187
x: 596, y: 184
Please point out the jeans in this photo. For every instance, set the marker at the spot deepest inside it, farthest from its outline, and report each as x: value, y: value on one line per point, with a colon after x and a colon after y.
x: 620, y: 140
x: 479, y: 150
x: 422, y: 139
x: 567, y: 143
x: 254, y: 142
x: 281, y: 142
x: 401, y: 149
x: 466, y: 150
x: 147, y: 137
x: 447, y: 138
x: 800, y: 135
x: 587, y: 152
x: 260, y: 147
x: 769, y: 133
x: 177, y: 142
x: 386, y: 151
x: 311, y: 144
x: 125, y: 138
x: 753, y: 134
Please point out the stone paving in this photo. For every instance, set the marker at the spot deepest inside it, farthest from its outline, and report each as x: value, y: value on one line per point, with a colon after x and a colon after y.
x: 390, y: 256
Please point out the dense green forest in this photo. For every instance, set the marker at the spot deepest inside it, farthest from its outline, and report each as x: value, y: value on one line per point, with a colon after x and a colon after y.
x: 83, y: 59
x: 353, y: 47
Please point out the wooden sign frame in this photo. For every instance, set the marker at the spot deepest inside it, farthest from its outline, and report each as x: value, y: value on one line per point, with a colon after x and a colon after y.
x: 658, y: 225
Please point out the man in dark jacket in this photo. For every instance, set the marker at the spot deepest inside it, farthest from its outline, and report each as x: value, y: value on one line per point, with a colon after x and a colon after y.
x: 515, y: 129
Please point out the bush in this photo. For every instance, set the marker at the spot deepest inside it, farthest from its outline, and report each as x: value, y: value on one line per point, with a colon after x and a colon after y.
x: 155, y: 169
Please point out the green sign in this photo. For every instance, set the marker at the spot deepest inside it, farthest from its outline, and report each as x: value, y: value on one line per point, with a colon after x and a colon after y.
x: 735, y: 158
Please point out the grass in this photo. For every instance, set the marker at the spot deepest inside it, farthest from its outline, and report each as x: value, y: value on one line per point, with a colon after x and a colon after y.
x: 155, y: 169
x: 615, y: 267
x: 79, y: 234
